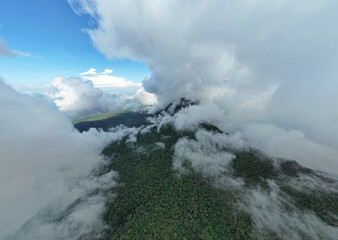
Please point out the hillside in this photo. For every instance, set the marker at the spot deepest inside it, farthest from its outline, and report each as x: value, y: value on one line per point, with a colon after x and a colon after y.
x: 128, y: 119
x: 248, y: 195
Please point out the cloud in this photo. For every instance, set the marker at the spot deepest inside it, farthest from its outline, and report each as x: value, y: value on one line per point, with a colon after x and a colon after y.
x: 25, y: 54
x: 267, y: 211
x: 107, y: 71
x: 52, y: 181
x: 144, y: 98
x: 6, y: 51
x: 207, y: 154
x: 104, y: 80
x: 78, y: 98
x: 292, y: 144
x: 269, y: 138
x: 260, y: 62
x: 89, y: 72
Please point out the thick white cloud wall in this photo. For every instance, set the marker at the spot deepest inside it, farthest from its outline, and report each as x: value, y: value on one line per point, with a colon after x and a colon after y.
x: 46, y: 166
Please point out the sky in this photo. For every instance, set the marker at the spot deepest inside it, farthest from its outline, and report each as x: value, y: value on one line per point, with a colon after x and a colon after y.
x: 47, y: 39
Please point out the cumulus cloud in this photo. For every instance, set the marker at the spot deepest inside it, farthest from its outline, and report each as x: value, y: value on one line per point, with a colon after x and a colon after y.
x: 51, y: 179
x: 107, y: 71
x: 105, y: 80
x: 89, y: 72
x: 143, y: 97
x: 78, y: 98
x: 258, y: 61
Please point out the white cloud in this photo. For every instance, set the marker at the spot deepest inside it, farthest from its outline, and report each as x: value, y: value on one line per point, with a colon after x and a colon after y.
x: 89, y: 72
x: 49, y: 177
x: 78, y: 98
x: 144, y: 98
x: 266, y: 61
x: 292, y: 144
x: 210, y: 154
x: 107, y: 71
x: 104, y: 80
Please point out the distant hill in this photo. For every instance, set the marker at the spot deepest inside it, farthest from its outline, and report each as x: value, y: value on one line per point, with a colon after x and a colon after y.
x: 129, y: 119
x: 96, y: 117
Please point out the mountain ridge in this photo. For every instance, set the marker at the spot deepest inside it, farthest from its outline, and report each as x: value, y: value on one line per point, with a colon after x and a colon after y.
x: 156, y: 200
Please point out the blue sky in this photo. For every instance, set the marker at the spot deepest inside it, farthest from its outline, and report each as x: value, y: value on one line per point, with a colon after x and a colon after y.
x: 53, y: 35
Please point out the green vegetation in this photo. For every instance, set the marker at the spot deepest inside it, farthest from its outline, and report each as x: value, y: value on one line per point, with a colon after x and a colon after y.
x: 324, y: 205
x: 97, y: 117
x: 129, y: 119
x: 253, y: 168
x: 154, y: 202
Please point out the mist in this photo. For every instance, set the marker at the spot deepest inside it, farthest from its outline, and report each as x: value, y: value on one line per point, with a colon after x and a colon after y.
x: 271, y: 209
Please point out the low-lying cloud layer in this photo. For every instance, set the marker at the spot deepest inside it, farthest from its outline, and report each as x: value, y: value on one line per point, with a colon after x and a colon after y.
x: 266, y: 63
x: 272, y: 140
x: 77, y: 97
x: 271, y: 209
x: 51, y: 180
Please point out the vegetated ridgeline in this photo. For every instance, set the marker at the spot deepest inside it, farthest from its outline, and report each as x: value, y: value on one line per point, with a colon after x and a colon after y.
x: 156, y: 201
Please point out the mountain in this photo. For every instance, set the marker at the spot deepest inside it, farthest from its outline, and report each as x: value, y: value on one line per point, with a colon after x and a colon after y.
x: 206, y: 184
